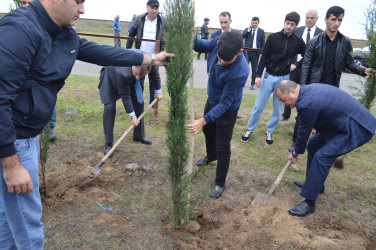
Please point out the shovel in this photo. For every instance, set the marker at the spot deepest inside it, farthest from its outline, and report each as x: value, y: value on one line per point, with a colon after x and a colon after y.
x: 269, y: 198
x: 97, y: 169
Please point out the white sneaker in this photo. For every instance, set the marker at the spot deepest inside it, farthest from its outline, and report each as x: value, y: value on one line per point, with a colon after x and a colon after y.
x: 246, y: 135
x: 268, y: 138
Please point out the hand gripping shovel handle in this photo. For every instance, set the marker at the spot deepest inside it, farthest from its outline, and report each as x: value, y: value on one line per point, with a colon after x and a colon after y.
x: 278, y: 180
x: 96, y: 170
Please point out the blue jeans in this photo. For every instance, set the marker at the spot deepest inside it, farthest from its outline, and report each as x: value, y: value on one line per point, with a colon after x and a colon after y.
x: 268, y: 86
x: 20, y: 214
x: 53, y: 119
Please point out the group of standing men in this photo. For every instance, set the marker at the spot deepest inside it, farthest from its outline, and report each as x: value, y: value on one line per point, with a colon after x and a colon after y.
x: 320, y: 106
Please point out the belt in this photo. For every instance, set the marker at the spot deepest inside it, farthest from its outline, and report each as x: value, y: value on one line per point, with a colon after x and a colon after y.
x: 19, y: 137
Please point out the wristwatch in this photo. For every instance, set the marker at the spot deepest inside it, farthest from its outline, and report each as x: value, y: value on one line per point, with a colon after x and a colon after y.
x: 133, y: 117
x: 152, y: 60
x: 295, y: 155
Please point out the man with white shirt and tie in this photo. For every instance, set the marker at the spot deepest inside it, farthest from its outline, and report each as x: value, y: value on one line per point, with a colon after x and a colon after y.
x: 306, y: 32
x: 254, y: 38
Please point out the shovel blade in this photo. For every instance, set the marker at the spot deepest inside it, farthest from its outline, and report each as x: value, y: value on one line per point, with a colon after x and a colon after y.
x: 262, y: 198
x: 96, y: 170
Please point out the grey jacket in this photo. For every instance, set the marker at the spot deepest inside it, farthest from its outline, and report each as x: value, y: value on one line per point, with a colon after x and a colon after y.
x: 137, y: 30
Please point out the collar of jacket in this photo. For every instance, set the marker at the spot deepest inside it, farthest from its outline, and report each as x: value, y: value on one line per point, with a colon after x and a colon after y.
x: 159, y: 18
x: 52, y: 28
x: 288, y: 37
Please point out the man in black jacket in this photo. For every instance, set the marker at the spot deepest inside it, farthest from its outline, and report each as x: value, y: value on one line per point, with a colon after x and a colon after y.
x: 279, y: 50
x: 204, y: 35
x: 149, y: 26
x: 329, y: 52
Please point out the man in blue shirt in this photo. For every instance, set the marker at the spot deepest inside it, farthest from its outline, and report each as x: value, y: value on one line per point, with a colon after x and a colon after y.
x: 38, y: 48
x: 227, y: 76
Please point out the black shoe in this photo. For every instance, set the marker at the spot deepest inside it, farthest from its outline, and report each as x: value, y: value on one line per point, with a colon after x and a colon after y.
x: 143, y: 140
x: 217, y: 192
x: 283, y: 118
x: 238, y: 117
x: 292, y: 147
x: 302, y: 209
x: 203, y: 161
x: 301, y: 183
x: 107, y: 148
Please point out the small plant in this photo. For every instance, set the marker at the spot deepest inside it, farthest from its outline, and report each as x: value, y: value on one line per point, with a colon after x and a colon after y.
x: 368, y: 96
x: 16, y: 4
x: 44, y: 139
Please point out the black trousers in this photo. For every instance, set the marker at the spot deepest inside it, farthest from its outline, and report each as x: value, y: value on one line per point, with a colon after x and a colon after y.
x: 253, y: 58
x: 218, y: 135
x: 109, y: 114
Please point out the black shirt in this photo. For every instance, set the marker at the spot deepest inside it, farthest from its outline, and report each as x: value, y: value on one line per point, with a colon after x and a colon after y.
x: 279, y: 52
x: 329, y: 73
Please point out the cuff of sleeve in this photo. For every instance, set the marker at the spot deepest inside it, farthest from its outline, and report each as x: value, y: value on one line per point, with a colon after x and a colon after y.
x: 7, y: 150
x: 132, y: 114
x: 158, y: 91
x: 207, y: 118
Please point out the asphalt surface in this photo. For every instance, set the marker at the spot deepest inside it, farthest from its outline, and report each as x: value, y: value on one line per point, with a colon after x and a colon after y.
x: 200, y: 76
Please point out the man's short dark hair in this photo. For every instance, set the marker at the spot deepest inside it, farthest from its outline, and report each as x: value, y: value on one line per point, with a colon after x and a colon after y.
x: 285, y: 86
x: 225, y: 13
x: 255, y: 18
x: 336, y: 11
x: 144, y: 68
x: 229, y: 44
x: 293, y: 17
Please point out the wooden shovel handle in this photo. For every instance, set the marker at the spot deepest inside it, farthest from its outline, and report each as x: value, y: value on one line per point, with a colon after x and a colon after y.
x: 127, y: 131
x: 280, y: 177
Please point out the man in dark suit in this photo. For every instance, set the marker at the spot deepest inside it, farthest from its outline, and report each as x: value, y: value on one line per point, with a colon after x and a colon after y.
x: 254, y: 38
x: 204, y: 35
x: 126, y: 83
x: 342, y: 124
x: 225, y: 22
x: 306, y: 32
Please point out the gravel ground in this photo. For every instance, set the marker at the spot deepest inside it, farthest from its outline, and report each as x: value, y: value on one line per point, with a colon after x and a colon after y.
x: 200, y: 76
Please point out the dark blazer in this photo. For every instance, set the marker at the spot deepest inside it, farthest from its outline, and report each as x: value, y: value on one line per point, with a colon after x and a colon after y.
x: 295, y: 75
x: 314, y: 59
x: 260, y: 39
x: 116, y: 83
x: 334, y: 114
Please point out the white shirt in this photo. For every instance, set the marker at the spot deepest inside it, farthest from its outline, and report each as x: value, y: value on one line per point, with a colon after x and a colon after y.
x: 150, y: 32
x: 254, y: 45
x: 311, y: 34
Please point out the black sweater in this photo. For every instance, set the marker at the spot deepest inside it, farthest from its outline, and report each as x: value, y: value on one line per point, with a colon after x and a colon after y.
x: 279, y: 52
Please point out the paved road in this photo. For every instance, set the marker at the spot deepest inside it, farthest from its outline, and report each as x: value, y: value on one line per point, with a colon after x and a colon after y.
x: 200, y: 76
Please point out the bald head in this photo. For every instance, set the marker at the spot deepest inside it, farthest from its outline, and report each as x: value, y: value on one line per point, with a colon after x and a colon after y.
x: 287, y: 92
x: 311, y: 18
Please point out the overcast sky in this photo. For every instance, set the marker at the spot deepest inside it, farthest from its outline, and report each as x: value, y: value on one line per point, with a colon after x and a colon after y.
x: 270, y: 12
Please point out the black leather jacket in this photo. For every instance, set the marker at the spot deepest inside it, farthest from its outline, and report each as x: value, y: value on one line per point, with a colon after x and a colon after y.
x: 314, y: 59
